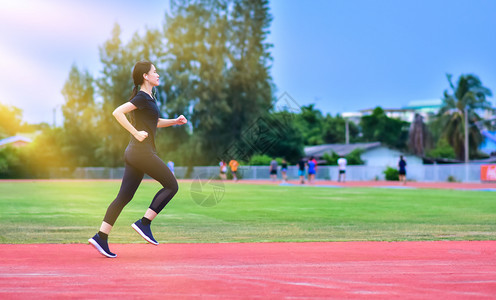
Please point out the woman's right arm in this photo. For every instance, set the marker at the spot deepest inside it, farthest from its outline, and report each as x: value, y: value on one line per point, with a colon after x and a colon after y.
x: 119, y: 114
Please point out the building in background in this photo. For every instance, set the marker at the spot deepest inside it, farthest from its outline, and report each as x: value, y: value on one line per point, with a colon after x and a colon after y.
x: 15, y: 141
x: 425, y: 108
x: 374, y: 154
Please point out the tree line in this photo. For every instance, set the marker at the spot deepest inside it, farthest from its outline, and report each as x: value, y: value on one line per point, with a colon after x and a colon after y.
x: 214, y: 62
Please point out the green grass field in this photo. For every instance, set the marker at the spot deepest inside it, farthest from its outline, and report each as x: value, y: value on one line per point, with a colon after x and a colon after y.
x: 71, y: 212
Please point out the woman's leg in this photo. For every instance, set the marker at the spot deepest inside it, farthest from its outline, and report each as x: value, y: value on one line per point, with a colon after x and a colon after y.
x: 130, y: 183
x: 158, y: 170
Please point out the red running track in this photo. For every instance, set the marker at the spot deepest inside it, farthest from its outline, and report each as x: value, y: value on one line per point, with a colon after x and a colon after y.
x: 406, y: 270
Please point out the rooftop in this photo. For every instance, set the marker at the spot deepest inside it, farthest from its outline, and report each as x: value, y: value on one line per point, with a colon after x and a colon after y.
x: 340, y: 149
x: 419, y: 104
x: 14, y: 139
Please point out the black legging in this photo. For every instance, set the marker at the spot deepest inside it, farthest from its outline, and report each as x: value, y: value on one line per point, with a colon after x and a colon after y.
x: 137, y: 164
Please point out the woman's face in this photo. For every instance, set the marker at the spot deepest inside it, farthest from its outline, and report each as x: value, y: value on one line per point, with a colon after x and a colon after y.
x: 152, y: 76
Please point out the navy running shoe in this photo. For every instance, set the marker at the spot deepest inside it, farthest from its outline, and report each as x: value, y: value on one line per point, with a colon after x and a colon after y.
x: 102, y: 246
x: 144, y: 231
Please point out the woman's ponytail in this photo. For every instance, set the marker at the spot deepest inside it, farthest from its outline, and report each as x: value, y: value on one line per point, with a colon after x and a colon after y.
x: 131, y: 114
x: 134, y: 93
x: 140, y: 68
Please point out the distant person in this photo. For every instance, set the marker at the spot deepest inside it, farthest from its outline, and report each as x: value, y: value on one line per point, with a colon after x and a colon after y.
x: 342, y: 162
x: 312, y: 165
x: 315, y: 161
x: 273, y: 169
x: 284, y: 170
x: 301, y: 170
x: 233, y: 164
x: 170, y: 164
x: 140, y: 157
x: 223, y: 170
x: 402, y: 169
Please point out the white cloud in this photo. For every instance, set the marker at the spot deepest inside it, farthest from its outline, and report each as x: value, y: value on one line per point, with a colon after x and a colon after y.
x: 40, y: 40
x: 68, y: 21
x: 32, y: 85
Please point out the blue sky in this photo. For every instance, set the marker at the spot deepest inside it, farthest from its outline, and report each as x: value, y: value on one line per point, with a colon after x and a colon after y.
x: 340, y: 55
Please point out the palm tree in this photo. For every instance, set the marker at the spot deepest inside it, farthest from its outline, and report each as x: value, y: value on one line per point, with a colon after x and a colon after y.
x: 419, y: 137
x: 468, y: 95
x: 310, y: 123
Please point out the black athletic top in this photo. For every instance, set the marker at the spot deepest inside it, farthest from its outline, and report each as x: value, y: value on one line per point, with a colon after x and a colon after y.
x: 145, y: 119
x: 301, y: 165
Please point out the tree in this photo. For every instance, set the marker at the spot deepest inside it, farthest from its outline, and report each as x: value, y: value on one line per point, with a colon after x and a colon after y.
x: 217, y: 71
x: 195, y: 83
x: 419, y: 137
x: 334, y: 130
x: 33, y: 160
x: 310, y: 122
x: 10, y: 120
x: 44, y: 153
x: 287, y: 139
x: 442, y: 150
x: 250, y: 87
x: 469, y: 94
x: 380, y: 128
x: 80, y: 135
x: 352, y: 158
x: 115, y: 86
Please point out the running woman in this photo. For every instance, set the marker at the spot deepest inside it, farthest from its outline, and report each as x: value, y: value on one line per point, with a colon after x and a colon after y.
x: 140, y: 157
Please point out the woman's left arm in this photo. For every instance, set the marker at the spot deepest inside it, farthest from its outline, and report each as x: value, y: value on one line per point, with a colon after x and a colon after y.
x: 170, y: 122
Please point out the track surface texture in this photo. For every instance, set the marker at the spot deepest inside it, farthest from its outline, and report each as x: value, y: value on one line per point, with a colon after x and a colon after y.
x: 331, y: 270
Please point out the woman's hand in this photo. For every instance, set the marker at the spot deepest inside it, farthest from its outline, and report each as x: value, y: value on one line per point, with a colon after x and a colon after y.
x: 181, y: 120
x: 141, y: 135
